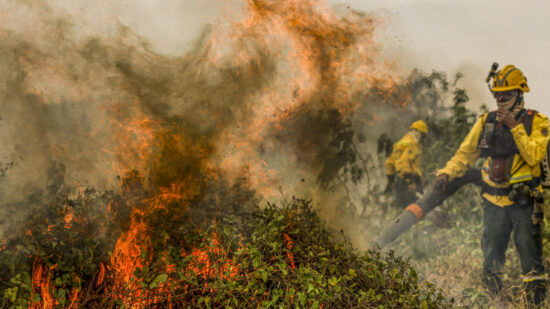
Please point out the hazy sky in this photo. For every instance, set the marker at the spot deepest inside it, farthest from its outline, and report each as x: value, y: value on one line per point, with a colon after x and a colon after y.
x: 465, y: 35
x: 470, y: 35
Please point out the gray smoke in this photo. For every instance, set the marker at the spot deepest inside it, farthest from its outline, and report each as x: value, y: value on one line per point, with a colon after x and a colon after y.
x: 273, y: 101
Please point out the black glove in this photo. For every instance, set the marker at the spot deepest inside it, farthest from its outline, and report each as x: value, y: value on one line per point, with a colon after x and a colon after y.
x: 440, y: 182
x: 390, y: 184
x: 414, y: 179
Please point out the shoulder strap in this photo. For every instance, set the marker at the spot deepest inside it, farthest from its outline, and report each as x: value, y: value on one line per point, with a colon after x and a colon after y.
x: 528, y: 120
x: 491, y: 117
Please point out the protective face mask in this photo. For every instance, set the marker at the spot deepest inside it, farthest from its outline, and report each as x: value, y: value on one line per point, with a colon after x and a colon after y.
x: 506, y: 104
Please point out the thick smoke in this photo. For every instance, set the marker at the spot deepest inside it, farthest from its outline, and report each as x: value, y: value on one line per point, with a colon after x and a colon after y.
x: 265, y: 103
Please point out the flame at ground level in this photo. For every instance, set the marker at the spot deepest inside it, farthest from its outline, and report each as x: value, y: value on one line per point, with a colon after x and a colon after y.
x: 44, y: 293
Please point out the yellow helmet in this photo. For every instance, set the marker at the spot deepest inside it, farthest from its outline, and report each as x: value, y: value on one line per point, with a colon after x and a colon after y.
x: 420, y: 126
x: 509, y: 78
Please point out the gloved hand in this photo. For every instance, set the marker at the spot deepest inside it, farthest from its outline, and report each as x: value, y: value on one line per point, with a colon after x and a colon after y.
x: 390, y: 184
x: 414, y: 181
x: 440, y: 182
x: 506, y: 117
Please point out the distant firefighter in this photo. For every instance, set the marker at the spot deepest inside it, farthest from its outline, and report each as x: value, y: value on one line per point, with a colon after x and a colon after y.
x: 513, y: 142
x: 402, y: 167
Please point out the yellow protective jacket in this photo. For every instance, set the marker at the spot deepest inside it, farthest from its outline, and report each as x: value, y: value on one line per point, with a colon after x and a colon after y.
x: 405, y: 157
x: 525, y: 166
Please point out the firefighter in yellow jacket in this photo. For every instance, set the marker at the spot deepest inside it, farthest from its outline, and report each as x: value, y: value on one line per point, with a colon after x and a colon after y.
x: 512, y: 141
x: 402, y: 167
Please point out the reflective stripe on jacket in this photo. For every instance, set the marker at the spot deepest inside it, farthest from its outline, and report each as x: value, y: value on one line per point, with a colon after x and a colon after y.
x: 525, y: 166
x: 405, y: 157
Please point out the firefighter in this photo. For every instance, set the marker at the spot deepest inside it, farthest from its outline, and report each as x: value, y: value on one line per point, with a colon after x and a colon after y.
x: 512, y: 141
x: 402, y: 167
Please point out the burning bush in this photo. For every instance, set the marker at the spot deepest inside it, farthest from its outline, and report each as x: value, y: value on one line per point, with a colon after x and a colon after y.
x: 56, y: 254
x: 275, y: 256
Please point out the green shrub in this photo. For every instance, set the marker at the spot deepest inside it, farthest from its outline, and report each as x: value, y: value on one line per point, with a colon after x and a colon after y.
x: 272, y: 257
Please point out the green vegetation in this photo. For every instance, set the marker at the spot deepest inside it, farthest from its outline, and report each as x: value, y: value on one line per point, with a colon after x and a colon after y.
x: 279, y: 257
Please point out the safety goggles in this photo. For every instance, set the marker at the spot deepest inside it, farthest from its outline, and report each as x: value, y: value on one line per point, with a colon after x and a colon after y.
x: 504, y: 96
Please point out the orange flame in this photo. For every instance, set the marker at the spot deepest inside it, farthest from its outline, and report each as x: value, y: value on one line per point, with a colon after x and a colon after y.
x: 126, y: 257
x: 202, y: 265
x: 101, y: 275
x: 289, y: 244
x: 68, y: 219
x: 42, y: 286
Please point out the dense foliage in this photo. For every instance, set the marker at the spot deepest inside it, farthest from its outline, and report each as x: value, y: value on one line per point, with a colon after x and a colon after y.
x: 271, y: 257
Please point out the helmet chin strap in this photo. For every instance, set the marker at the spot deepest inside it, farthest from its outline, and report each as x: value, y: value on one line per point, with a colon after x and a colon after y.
x: 519, y: 97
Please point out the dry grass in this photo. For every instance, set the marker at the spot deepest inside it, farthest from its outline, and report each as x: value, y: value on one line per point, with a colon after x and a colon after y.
x: 451, y: 258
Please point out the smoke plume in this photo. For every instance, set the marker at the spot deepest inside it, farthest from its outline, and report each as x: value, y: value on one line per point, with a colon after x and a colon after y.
x: 270, y: 103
